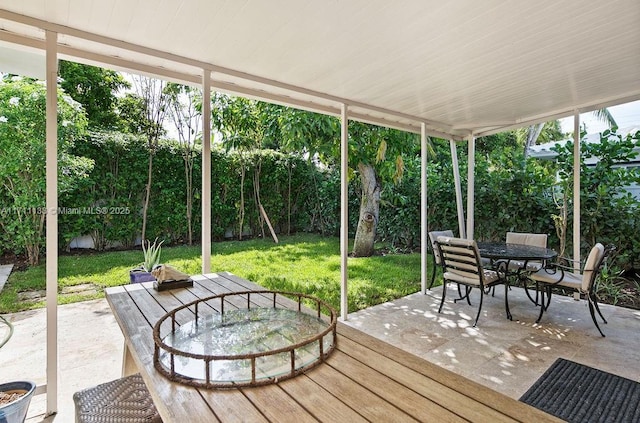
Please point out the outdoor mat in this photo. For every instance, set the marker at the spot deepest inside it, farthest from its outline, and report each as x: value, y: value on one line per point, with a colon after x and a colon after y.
x: 578, y: 393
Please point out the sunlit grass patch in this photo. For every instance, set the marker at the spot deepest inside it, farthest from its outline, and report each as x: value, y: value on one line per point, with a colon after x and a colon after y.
x: 302, y: 263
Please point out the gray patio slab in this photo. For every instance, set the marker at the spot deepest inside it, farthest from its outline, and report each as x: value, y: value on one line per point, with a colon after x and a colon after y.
x: 90, y: 348
x: 5, y: 271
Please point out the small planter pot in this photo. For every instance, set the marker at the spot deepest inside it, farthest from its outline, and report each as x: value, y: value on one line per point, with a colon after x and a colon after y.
x: 16, y: 411
x: 140, y: 275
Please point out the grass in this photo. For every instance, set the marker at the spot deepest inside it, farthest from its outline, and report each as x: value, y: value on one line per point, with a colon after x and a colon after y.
x: 302, y: 263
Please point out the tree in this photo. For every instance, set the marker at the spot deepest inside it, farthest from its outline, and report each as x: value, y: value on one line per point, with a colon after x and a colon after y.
x: 246, y: 124
x: 608, y: 209
x: 310, y: 135
x: 22, y: 168
x: 153, y: 104
x: 184, y: 105
x: 238, y: 120
x: 95, y: 88
x: 369, y: 148
x: 550, y: 131
x: 541, y: 132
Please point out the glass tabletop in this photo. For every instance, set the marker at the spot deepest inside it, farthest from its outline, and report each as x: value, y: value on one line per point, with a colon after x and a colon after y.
x: 503, y: 250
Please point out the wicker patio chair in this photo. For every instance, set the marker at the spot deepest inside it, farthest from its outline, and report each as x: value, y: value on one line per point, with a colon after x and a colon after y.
x: 124, y: 400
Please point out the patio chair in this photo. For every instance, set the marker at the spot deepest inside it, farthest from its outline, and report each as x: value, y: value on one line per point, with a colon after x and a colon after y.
x: 433, y: 236
x: 585, y: 283
x: 537, y: 240
x: 521, y: 268
x: 461, y: 264
x: 122, y: 400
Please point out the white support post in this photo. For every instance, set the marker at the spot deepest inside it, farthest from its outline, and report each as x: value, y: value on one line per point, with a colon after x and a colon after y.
x: 206, y: 172
x: 52, y: 220
x: 458, y: 187
x: 471, y: 178
x: 344, y: 212
x: 424, y: 236
x: 576, y: 191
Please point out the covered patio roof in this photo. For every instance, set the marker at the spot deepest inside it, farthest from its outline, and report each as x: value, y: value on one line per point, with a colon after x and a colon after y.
x: 462, y: 68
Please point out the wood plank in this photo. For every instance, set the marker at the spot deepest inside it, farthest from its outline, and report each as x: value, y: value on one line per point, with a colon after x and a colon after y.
x: 480, y: 393
x: 168, y: 301
x: 319, y: 401
x: 354, y: 395
x: 227, y: 405
x: 287, y: 409
x: 422, y: 405
x: 435, y: 396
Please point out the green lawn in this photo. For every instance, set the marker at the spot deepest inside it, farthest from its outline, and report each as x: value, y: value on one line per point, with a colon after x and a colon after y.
x: 302, y: 263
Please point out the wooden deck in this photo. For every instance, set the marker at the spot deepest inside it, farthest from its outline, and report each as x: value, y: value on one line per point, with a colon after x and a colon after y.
x: 365, y: 379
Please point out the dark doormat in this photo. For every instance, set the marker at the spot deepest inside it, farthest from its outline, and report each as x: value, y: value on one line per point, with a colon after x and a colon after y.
x: 578, y: 393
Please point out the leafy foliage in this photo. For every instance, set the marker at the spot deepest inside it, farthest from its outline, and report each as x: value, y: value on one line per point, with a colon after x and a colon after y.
x: 151, y: 252
x: 95, y: 88
x: 22, y: 168
x: 609, y: 211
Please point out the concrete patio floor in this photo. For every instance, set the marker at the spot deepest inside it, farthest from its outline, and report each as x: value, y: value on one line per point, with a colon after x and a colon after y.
x: 507, y: 356
x: 90, y: 347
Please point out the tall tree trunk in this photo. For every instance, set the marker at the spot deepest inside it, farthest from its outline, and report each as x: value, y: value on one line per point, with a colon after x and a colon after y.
x: 533, y: 133
x: 289, y: 197
x: 256, y: 193
x: 241, y: 211
x: 369, y: 212
x: 147, y: 196
x: 188, y: 175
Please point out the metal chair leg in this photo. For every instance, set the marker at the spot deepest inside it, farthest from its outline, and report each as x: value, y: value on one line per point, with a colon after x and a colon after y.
x: 479, y: 307
x: 593, y: 315
x: 444, y: 293
x: 506, y: 300
x: 433, y: 276
x: 543, y: 307
x: 467, y: 291
x: 595, y: 303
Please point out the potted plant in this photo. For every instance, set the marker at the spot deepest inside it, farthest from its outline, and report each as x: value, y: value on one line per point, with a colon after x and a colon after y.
x: 15, y: 396
x: 151, y: 252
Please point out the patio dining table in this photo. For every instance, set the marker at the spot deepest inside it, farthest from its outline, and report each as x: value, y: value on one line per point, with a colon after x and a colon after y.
x: 364, y: 379
x: 510, y: 260
x: 514, y: 252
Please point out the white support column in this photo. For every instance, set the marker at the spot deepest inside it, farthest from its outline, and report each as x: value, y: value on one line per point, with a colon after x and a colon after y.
x: 471, y: 186
x: 424, y: 236
x: 458, y: 187
x: 344, y: 212
x: 576, y: 190
x: 52, y: 220
x: 206, y: 172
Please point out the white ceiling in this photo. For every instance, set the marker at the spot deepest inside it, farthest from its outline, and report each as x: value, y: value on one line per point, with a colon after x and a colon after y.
x: 462, y: 67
